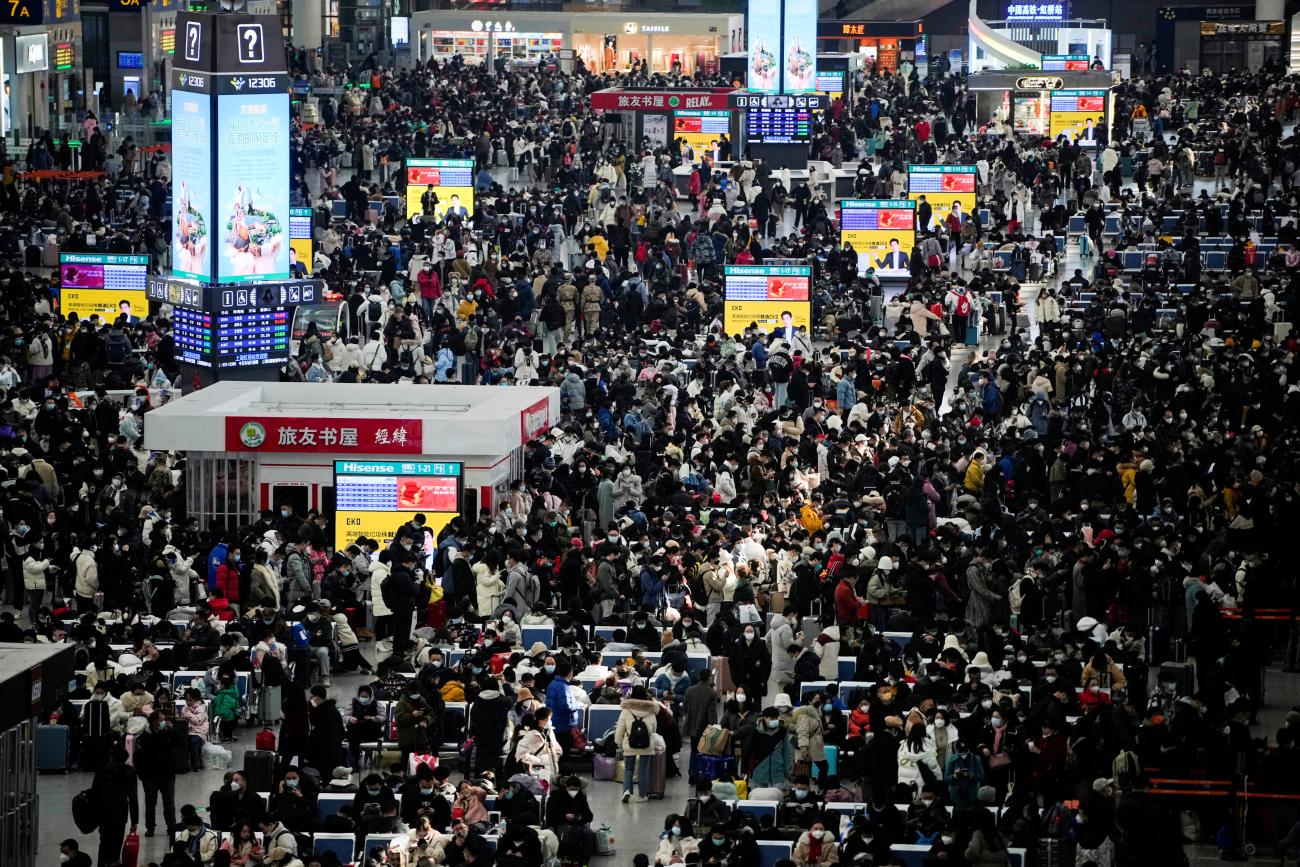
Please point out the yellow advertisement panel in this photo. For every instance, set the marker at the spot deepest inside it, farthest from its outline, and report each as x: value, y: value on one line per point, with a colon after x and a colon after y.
x: 452, y: 181
x: 761, y: 295
x: 300, y: 241
x: 1078, y: 115
x: 946, y: 188
x: 882, y: 233
x: 381, y: 526
x: 108, y: 303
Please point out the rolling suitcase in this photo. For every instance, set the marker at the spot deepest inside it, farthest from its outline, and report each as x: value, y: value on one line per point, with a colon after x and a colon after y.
x: 259, y: 769
x: 832, y: 762
x: 658, y: 774
x: 1182, y: 675
x: 706, y: 768
x: 1156, y: 645
x: 972, y: 335
x: 52, y: 748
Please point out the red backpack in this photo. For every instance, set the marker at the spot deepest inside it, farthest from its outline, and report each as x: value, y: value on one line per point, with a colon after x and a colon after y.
x: 963, y: 304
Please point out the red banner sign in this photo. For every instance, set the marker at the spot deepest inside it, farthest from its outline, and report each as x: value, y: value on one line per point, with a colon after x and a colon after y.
x: 534, y: 420
x: 657, y: 100
x: 361, y: 436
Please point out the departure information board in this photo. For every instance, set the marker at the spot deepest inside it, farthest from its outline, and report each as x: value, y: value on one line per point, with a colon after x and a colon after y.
x: 778, y: 125
x: 193, y: 336
x: 250, y: 338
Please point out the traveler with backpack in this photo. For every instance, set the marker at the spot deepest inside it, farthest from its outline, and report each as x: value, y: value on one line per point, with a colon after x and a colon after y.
x: 634, y: 732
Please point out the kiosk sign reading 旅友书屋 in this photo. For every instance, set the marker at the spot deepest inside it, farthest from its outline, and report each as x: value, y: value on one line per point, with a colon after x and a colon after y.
x: 375, y: 498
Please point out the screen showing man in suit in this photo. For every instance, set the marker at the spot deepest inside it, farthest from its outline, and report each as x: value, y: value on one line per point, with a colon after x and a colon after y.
x: 1079, y: 115
x: 452, y: 182
x: 774, y: 298
x: 881, y: 232
x: 941, y: 185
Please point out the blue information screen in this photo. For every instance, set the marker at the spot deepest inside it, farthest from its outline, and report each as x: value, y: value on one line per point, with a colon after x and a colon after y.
x: 192, y: 223
x: 253, y: 187
x: 251, y: 338
x: 193, y: 333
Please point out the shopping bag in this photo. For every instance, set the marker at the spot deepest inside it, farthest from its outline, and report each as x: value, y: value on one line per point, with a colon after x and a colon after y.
x: 415, y: 760
x: 131, y: 850
x: 605, y: 841
x: 714, y: 741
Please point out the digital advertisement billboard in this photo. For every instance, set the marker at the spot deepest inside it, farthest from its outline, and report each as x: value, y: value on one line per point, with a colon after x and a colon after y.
x: 300, y: 241
x: 109, y: 284
x: 375, y: 498
x: 760, y: 295
x: 701, y: 129
x: 452, y: 182
x: 831, y: 83
x: 253, y: 184
x: 945, y: 187
x: 763, y: 34
x: 799, y: 57
x: 1065, y: 62
x: 192, y: 223
x: 882, y: 232
x: 1079, y: 115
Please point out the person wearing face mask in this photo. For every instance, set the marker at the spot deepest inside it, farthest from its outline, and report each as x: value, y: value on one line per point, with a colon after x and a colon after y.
x: 569, y: 815
x: 234, y: 803
x: 198, y: 841
x: 750, y: 664
x: 780, y: 637
x: 964, y: 774
x: 373, y: 790
x: 815, y: 846
x: 677, y: 841
x: 769, y: 754
x: 70, y: 854
x: 362, y: 723
x: 154, y: 759
x: 644, y: 631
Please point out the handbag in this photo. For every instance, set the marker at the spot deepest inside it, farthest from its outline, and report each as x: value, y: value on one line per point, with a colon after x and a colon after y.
x: 414, y: 761
x: 999, y: 760
x: 800, y: 768
x: 579, y: 740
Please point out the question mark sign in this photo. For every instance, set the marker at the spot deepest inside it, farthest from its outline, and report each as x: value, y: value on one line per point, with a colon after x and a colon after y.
x: 250, y: 36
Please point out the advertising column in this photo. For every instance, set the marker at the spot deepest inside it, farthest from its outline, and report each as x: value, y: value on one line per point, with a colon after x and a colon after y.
x: 192, y: 176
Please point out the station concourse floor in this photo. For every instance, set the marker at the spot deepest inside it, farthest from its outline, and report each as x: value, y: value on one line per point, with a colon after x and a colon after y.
x: 636, y: 826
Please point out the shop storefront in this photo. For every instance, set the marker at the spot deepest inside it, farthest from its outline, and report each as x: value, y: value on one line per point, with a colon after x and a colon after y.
x: 884, y: 43
x: 1217, y: 38
x: 602, y: 41
x: 1074, y: 104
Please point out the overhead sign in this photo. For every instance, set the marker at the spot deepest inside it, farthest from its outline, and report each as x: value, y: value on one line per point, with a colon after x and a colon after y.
x: 1040, y: 82
x: 376, y: 498
x: 1037, y: 11
x: 362, y: 436
x: 633, y: 100
x: 1243, y: 28
x: 232, y: 42
x: 22, y: 12
x: 812, y: 101
x: 65, y: 54
x: 32, y: 51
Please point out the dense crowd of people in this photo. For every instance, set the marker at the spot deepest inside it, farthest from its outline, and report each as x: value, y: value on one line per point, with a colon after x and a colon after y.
x: 930, y: 575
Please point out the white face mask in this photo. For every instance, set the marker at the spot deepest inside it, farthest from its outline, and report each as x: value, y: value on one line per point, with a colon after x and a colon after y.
x: 947, y: 839
x: 940, y: 723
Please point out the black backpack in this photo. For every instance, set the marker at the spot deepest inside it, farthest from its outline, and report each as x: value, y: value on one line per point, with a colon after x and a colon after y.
x: 387, y: 591
x: 638, y: 736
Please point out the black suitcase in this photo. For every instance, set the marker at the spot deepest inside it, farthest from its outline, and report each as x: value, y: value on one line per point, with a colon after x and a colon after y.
x: 259, y: 769
x: 1157, y: 645
x: 1181, y: 674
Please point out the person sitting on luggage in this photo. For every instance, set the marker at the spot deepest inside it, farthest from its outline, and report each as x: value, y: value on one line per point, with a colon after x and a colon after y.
x: 200, y: 841
x: 710, y: 810
x: 677, y: 841
x: 816, y: 846
x: 569, y: 815
x: 801, y: 804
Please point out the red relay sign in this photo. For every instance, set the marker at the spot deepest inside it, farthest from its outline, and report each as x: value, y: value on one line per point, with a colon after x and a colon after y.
x: 360, y: 436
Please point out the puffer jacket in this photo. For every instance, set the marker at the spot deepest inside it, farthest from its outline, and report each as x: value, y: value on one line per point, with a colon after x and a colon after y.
x: 631, y: 710
x: 34, y: 573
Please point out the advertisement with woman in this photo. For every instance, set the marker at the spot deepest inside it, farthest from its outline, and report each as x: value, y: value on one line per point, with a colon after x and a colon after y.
x: 192, y: 185
x: 253, y: 188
